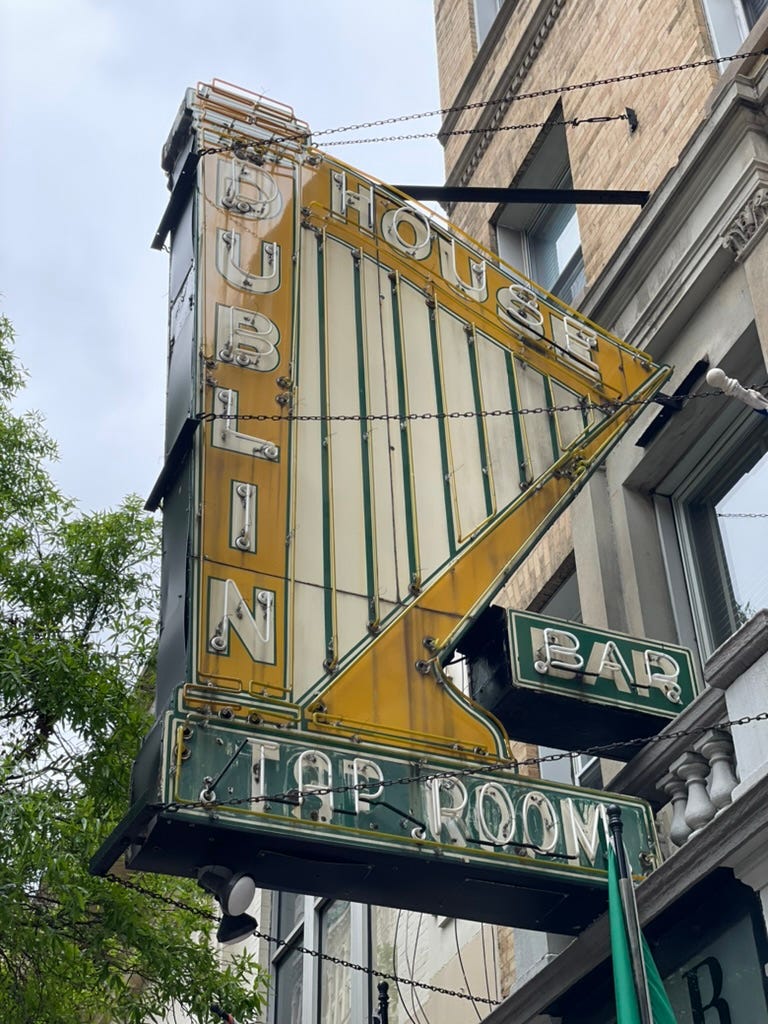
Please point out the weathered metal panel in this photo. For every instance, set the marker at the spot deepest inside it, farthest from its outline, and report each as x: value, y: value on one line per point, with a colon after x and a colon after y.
x: 467, y: 469
x: 353, y: 346
x: 379, y: 450
x: 600, y: 666
x: 373, y: 823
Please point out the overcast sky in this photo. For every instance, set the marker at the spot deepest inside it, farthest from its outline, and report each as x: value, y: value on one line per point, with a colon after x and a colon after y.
x: 89, y: 91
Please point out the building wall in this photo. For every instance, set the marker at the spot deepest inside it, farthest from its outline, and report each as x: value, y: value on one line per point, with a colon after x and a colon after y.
x: 546, y: 44
x: 684, y: 279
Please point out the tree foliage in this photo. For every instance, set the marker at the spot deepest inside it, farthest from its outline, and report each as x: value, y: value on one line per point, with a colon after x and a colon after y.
x: 77, y: 635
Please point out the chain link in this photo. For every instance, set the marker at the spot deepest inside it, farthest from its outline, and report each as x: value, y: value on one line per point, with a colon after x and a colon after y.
x: 742, y: 515
x: 570, y: 123
x: 557, y: 90
x: 293, y: 796
x: 371, y: 417
x: 206, y: 915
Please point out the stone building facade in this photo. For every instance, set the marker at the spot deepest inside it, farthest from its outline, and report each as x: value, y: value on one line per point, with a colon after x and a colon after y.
x: 664, y: 540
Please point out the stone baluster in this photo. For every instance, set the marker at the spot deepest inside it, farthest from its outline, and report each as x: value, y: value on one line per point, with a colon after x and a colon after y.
x: 694, y: 770
x: 717, y: 747
x: 675, y: 789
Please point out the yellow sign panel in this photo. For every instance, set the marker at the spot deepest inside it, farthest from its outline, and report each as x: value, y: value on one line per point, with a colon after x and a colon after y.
x: 393, y: 418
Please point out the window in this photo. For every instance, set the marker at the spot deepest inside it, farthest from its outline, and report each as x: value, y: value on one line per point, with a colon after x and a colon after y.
x: 544, y: 242
x: 730, y: 22
x: 335, y: 980
x: 311, y: 987
x: 485, y: 15
x: 288, y: 962
x: 720, y: 513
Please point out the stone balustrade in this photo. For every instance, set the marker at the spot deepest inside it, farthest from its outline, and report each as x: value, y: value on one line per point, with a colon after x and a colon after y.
x: 699, y: 784
x: 691, y: 778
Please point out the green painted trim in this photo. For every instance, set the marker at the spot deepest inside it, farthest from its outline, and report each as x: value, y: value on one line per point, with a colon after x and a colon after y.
x: 482, y: 437
x: 557, y: 451
x: 442, y: 426
x: 514, y: 402
x: 405, y: 435
x: 366, y: 455
x: 329, y: 588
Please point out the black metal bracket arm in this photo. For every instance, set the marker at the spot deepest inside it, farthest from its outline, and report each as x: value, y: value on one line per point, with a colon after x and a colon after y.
x: 173, y: 463
x: 536, y: 196
x: 672, y: 404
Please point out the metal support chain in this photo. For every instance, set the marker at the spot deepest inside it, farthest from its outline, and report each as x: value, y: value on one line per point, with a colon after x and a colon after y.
x: 372, y: 971
x: 604, y: 750
x: 557, y: 90
x: 207, y: 417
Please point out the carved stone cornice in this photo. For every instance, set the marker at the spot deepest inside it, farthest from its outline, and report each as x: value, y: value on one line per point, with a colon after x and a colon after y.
x: 748, y: 226
x: 508, y: 85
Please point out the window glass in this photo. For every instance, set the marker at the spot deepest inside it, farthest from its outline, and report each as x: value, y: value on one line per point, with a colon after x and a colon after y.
x: 288, y: 988
x: 335, y: 981
x: 722, y: 515
x: 730, y: 22
x: 291, y: 912
x: 554, y: 241
x: 485, y: 15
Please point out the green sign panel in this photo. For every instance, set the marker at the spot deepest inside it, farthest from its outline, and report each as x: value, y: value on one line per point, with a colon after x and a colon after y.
x: 300, y: 812
x: 570, y: 686
x: 600, y: 667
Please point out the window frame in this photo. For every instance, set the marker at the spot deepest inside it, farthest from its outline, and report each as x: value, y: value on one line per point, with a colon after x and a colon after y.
x: 516, y: 225
x: 729, y: 23
x: 307, y: 933
x: 742, y: 431
x: 726, y: 434
x: 481, y: 21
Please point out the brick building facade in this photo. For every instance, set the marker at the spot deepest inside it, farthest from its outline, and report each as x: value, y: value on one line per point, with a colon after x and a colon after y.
x: 660, y: 541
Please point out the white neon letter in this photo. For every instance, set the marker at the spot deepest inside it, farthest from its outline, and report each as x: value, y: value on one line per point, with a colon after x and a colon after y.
x: 246, y: 338
x: 476, y: 287
x: 228, y: 256
x: 419, y: 248
x: 344, y: 199
x: 559, y: 649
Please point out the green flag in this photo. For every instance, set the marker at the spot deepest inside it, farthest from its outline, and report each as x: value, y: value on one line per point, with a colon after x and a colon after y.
x: 627, y: 1009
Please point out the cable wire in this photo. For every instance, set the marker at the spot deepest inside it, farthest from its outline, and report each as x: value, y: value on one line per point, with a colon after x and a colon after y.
x: 394, y: 966
x: 557, y: 90
x: 316, y: 954
x: 462, y: 967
